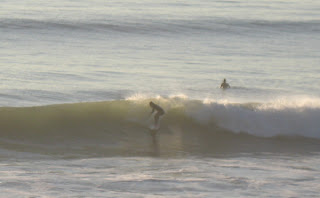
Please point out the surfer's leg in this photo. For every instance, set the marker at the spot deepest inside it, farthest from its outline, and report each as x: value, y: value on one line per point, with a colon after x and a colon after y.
x: 156, y: 118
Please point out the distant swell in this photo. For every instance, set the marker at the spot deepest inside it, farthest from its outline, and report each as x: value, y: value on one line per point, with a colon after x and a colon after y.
x: 148, y: 26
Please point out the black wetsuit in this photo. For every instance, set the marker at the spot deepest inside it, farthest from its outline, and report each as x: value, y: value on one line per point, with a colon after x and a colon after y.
x: 159, y: 113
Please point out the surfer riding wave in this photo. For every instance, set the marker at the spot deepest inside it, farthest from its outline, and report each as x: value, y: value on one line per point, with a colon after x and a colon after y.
x: 159, y: 111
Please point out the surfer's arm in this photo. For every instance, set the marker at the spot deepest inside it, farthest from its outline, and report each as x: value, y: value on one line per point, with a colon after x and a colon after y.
x: 152, y: 111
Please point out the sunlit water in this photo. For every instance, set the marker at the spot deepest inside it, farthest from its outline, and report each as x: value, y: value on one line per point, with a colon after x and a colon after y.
x: 82, y: 51
x: 247, y: 176
x: 71, y: 51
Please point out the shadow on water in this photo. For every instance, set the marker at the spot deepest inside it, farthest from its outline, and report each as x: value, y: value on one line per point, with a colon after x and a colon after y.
x: 171, y: 142
x: 155, y: 144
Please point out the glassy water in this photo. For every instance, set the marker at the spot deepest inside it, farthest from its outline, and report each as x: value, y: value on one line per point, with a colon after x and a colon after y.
x: 258, y: 138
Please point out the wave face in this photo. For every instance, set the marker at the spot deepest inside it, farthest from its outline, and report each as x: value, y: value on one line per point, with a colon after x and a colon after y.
x: 189, y: 126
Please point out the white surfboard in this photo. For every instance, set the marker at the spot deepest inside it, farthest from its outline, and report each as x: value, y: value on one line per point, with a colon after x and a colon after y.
x: 154, y: 127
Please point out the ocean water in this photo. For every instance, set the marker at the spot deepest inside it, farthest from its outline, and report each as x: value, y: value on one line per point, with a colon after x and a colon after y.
x: 77, y: 78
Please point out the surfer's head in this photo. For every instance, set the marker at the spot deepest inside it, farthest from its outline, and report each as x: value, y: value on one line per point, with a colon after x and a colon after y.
x: 151, y: 103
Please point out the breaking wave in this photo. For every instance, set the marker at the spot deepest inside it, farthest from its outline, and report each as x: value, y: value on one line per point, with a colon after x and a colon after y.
x: 122, y: 127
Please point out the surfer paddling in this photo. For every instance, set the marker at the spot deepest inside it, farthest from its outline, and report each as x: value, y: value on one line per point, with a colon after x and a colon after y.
x: 159, y: 111
x: 224, y: 84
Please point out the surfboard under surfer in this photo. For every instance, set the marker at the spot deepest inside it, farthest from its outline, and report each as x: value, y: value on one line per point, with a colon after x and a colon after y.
x: 159, y: 111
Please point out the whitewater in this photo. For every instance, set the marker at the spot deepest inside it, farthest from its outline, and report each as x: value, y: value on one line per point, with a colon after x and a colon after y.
x: 77, y: 78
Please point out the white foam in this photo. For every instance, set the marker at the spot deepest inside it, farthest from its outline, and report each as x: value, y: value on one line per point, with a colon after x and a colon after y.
x: 178, y: 96
x: 280, y: 117
x: 142, y: 97
x: 297, y: 102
